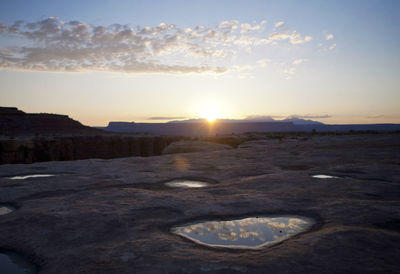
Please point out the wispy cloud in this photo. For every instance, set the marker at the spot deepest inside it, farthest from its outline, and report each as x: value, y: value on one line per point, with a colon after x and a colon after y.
x: 294, y: 116
x: 333, y: 46
x: 293, y: 37
x: 329, y: 36
x: 299, y: 61
x: 375, y: 117
x: 166, y: 118
x: 55, y: 45
x: 279, y: 24
x: 289, y: 72
x: 263, y: 117
x: 309, y: 116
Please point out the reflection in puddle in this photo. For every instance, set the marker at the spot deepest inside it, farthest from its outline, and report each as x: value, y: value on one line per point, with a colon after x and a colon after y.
x: 324, y: 176
x: 250, y: 233
x: 4, y: 209
x: 14, y: 264
x: 31, y: 176
x: 183, y: 183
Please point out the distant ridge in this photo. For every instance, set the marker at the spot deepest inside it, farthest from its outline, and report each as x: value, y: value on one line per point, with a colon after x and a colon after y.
x: 294, y: 120
x: 16, y: 122
x: 200, y: 127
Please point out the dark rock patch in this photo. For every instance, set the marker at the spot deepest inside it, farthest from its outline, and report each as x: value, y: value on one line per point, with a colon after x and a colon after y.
x: 390, y: 224
x: 12, y: 263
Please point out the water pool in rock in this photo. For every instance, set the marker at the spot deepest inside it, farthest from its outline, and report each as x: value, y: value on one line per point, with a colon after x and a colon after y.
x: 5, y: 209
x: 246, y: 233
x: 11, y: 263
x: 31, y: 176
x: 324, y: 176
x: 186, y: 183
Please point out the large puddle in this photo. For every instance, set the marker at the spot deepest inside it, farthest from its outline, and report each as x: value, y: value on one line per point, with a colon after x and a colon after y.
x: 31, y: 176
x: 186, y: 183
x: 324, y: 176
x: 5, y: 209
x: 11, y: 263
x: 247, y: 233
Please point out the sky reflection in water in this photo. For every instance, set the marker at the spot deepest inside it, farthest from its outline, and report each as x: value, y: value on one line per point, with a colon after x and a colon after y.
x: 324, y: 176
x: 6, y: 209
x: 31, y: 176
x: 186, y: 184
x: 14, y: 264
x: 253, y: 233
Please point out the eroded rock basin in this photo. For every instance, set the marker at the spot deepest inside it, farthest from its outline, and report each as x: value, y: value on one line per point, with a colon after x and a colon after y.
x: 186, y: 183
x: 11, y: 263
x: 324, y: 176
x: 190, y: 182
x: 245, y: 233
x: 24, y: 177
x: 5, y: 209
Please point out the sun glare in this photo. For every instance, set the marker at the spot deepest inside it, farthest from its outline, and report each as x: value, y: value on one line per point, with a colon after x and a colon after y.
x: 211, y: 114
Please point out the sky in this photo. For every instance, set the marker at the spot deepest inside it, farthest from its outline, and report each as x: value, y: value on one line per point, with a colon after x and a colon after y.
x: 97, y: 61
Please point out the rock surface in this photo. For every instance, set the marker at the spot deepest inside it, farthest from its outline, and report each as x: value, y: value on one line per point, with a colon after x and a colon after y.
x: 30, y: 150
x: 115, y: 216
x: 193, y: 146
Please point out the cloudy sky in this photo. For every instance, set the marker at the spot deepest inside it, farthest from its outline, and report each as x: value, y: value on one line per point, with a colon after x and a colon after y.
x: 99, y: 61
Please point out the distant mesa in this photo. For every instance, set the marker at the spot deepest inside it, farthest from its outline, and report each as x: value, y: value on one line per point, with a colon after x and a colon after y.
x: 16, y: 122
x: 200, y: 127
x: 11, y: 111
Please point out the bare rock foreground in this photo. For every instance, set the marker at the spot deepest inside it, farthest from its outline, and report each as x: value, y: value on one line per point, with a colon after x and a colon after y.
x: 115, y: 216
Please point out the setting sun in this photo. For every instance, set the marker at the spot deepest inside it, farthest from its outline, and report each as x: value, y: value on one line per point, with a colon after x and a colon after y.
x: 211, y: 114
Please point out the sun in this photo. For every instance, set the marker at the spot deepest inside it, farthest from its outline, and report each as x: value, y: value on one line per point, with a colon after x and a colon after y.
x: 210, y: 113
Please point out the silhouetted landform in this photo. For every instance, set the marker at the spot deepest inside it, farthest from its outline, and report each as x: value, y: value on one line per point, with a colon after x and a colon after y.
x: 294, y: 120
x: 199, y: 128
x: 27, y: 138
x: 14, y: 151
x: 221, y: 127
x: 15, y: 122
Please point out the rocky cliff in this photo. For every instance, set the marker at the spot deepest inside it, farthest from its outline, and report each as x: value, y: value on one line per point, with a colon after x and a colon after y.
x: 15, y: 122
x: 40, y: 149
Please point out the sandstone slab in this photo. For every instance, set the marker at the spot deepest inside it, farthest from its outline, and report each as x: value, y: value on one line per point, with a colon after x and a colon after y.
x: 115, y: 216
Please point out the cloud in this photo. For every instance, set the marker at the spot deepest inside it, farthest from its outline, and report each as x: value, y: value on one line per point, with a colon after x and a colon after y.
x: 166, y: 118
x: 263, y: 117
x: 272, y: 118
x: 333, y: 46
x: 55, y: 45
x: 308, y: 116
x: 262, y: 63
x: 299, y: 61
x: 289, y: 71
x: 294, y: 37
x: 228, y: 25
x: 247, y: 27
x: 329, y: 36
x: 279, y: 24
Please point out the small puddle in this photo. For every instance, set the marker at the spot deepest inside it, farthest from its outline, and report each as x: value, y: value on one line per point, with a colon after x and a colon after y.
x: 247, y: 233
x: 11, y: 263
x: 324, y: 176
x: 31, y: 176
x: 5, y: 209
x: 186, y: 183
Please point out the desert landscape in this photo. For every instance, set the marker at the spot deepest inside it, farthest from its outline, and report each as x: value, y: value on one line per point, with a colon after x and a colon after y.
x: 117, y: 215
x: 204, y: 136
